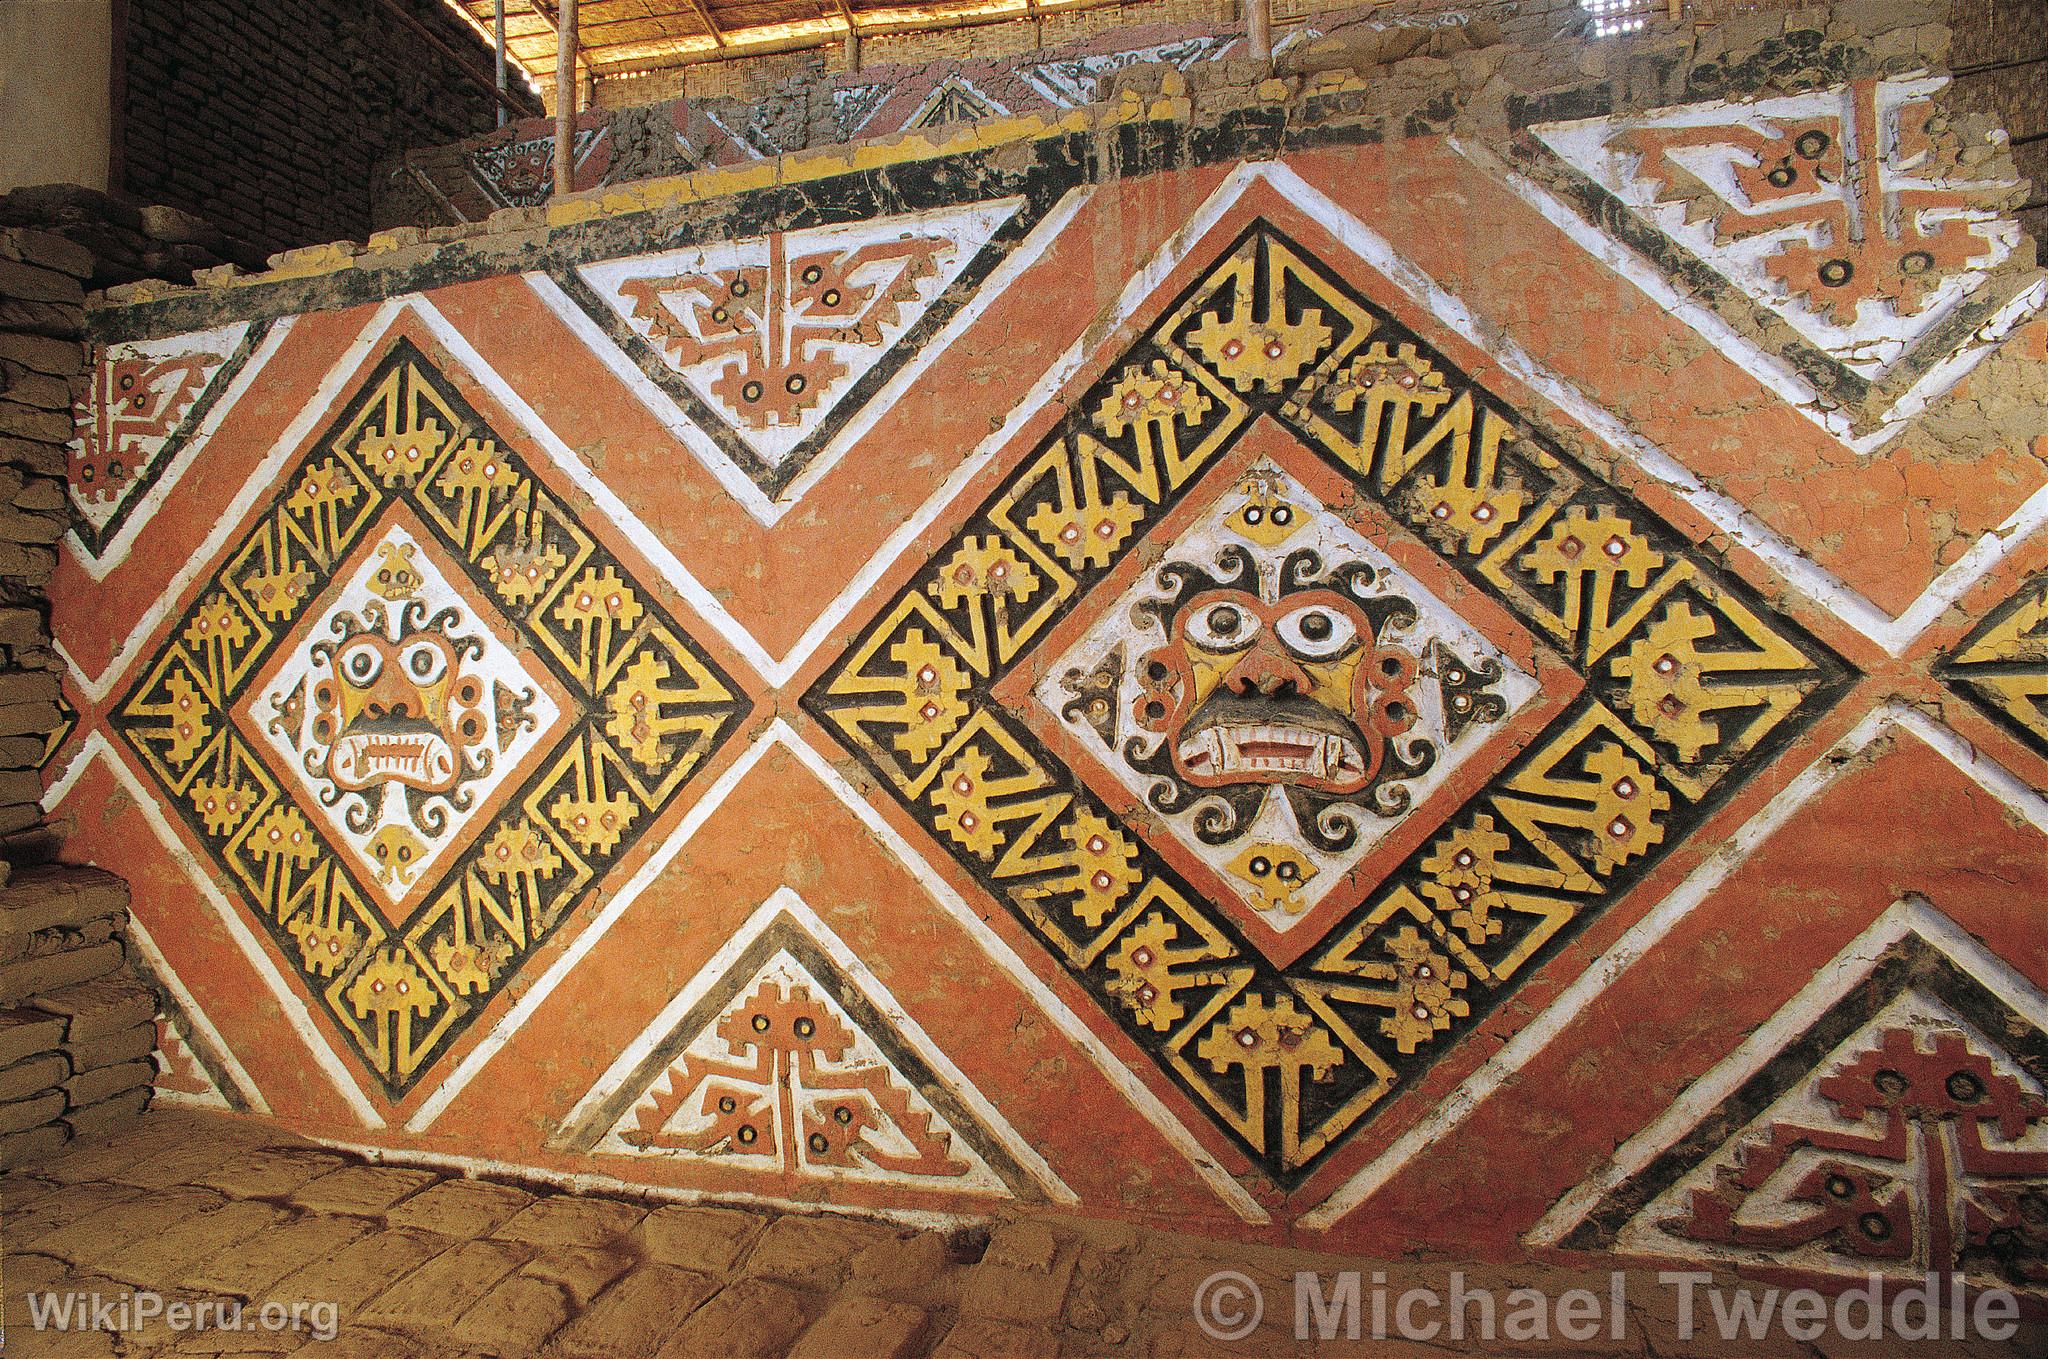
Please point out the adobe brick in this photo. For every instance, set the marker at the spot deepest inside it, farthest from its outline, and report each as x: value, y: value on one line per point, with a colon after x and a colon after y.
x: 46, y: 250
x: 26, y: 977
x: 812, y: 1251
x: 247, y: 1270
x: 628, y: 1319
x: 710, y: 1240
x: 572, y: 1220
x: 28, y: 1146
x: 38, y: 898
x: 751, y: 1319
x: 100, y: 1008
x: 88, y: 1240
x: 109, y: 1114
x: 459, y: 1208
x: 25, y: 1032
x: 267, y: 1174
x: 33, y: 283
x: 364, y: 1191
x: 47, y: 1071
x: 870, y: 1327
x: 433, y: 1296
x: 515, y: 1317
x: 127, y: 1045
x: 103, y: 1083
x: 155, y: 1257
x: 360, y: 1270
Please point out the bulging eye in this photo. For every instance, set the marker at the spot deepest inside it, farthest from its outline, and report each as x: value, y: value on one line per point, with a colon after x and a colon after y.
x: 425, y: 663
x: 359, y: 664
x: 1223, y: 626
x: 1317, y: 632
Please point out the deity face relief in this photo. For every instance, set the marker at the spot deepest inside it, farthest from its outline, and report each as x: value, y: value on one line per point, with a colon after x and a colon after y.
x: 1295, y: 690
x: 398, y: 711
x: 1276, y: 676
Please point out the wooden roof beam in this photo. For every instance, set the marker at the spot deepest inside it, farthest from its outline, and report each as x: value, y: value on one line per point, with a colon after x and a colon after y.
x: 703, y: 13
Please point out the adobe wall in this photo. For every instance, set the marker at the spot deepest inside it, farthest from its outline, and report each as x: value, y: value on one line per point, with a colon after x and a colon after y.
x: 198, y: 125
x: 1444, y: 649
x: 76, y: 1026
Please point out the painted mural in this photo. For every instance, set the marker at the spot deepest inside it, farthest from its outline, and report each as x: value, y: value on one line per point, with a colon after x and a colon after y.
x: 1198, y: 689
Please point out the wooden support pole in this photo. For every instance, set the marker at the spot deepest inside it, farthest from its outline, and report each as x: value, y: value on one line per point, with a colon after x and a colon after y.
x: 498, y: 35
x: 1258, y: 28
x: 852, y: 37
x: 565, y: 101
x: 554, y: 26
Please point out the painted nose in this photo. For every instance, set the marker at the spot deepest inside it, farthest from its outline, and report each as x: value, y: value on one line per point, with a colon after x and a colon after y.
x: 386, y: 699
x: 1267, y: 671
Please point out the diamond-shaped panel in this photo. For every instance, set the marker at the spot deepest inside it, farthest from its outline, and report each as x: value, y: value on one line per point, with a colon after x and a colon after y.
x: 1281, y: 693
x: 395, y: 706
x: 1682, y: 683
x: 417, y: 713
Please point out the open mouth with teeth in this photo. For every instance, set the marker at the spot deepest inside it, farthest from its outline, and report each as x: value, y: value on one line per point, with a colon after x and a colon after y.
x: 415, y: 755
x: 1275, y: 745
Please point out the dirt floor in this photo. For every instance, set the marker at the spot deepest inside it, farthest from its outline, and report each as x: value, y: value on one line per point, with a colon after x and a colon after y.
x: 392, y: 1262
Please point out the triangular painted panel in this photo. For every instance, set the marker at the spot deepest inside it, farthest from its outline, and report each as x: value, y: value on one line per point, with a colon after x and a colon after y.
x: 771, y: 344
x: 785, y: 1055
x: 136, y: 423
x: 194, y: 1067
x: 1850, y: 214
x: 1894, y: 1122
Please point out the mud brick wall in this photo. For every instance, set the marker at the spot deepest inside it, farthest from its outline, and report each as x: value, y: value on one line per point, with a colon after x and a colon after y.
x: 1446, y: 637
x: 265, y: 119
x: 42, y: 372
x: 126, y: 241
x: 2001, y: 61
x: 77, y: 1030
